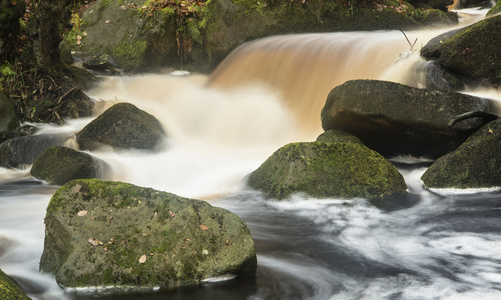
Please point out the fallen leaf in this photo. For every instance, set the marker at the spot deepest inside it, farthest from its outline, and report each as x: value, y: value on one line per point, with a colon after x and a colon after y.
x: 95, y: 242
x: 79, y: 42
x: 107, y: 21
x: 203, y: 227
x: 82, y: 213
x: 142, y: 259
x: 84, y: 34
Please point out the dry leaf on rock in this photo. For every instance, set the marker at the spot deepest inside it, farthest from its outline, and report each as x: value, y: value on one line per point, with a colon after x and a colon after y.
x: 203, y: 227
x: 142, y: 259
x: 82, y: 213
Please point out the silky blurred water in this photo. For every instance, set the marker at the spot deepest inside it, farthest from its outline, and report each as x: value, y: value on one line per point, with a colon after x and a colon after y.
x: 440, y: 244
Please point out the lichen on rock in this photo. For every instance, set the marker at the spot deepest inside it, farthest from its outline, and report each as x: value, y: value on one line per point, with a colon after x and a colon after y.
x: 114, y: 234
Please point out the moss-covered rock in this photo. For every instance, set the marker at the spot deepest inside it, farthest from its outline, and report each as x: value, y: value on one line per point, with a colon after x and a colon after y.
x: 120, y: 28
x: 338, y: 136
x: 494, y: 10
x: 475, y: 164
x: 8, y: 118
x: 471, y: 52
x: 113, y: 234
x: 58, y: 165
x: 327, y: 170
x: 123, y: 126
x: 22, y: 151
x: 9, y: 290
x: 395, y: 119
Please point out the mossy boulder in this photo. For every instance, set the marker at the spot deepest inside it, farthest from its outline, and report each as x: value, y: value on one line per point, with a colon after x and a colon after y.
x: 327, y: 170
x: 229, y: 23
x: 396, y: 119
x: 114, y: 234
x: 475, y: 164
x: 58, y: 165
x: 8, y: 118
x: 22, y: 151
x: 123, y: 126
x: 136, y: 39
x: 10, y: 290
x: 471, y: 52
x: 337, y: 136
x: 494, y: 10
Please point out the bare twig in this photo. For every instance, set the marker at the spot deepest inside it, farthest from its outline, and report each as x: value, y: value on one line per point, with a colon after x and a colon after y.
x: 412, y: 45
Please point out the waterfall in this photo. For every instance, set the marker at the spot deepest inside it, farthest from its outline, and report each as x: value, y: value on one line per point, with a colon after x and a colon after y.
x: 303, y: 68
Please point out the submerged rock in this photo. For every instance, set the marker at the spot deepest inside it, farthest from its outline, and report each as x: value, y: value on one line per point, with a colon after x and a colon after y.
x: 434, y: 77
x: 475, y: 164
x: 327, y: 170
x: 22, y: 151
x: 471, y: 52
x: 114, y: 234
x: 395, y: 119
x: 123, y: 126
x: 10, y: 290
x: 58, y: 165
x: 8, y: 118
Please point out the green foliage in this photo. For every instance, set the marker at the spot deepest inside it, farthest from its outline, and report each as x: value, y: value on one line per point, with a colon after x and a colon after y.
x: 192, y: 28
x: 188, y: 15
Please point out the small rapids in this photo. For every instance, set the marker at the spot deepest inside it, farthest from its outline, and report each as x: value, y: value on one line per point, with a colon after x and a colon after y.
x: 430, y: 245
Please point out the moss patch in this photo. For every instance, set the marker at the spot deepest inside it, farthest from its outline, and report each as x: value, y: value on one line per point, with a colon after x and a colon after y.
x: 9, y: 289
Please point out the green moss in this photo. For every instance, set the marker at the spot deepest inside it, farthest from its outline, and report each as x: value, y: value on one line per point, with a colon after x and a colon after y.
x: 494, y: 10
x: 130, y: 56
x: 173, y: 245
x: 475, y: 164
x: 9, y: 290
x: 473, y: 51
x: 345, y: 170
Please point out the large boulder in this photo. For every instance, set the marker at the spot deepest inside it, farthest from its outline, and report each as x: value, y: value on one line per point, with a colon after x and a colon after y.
x: 395, y: 119
x: 327, y: 170
x: 148, y: 34
x: 9, y: 289
x: 123, y: 126
x: 8, y: 118
x: 475, y: 164
x: 22, y: 151
x: 114, y: 234
x: 58, y: 165
x: 471, y: 52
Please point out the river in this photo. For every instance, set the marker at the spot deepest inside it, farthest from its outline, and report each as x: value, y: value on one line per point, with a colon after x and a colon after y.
x: 441, y: 244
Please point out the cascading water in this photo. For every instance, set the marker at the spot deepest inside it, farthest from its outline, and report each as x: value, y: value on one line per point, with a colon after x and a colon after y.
x: 266, y: 94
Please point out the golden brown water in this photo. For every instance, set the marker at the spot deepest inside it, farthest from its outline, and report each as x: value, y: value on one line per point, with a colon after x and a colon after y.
x: 304, y: 68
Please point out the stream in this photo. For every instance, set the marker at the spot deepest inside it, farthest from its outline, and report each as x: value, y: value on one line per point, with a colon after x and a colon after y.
x: 441, y: 244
